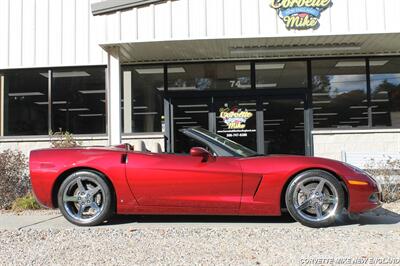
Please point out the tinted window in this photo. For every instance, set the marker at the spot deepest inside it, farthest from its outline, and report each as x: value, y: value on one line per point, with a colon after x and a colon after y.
x: 209, y: 76
x: 142, y: 99
x: 25, y: 102
x: 385, y: 92
x: 340, y: 93
x: 78, y: 104
x: 281, y: 75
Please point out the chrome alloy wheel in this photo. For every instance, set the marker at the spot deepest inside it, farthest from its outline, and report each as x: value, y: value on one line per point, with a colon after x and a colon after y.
x: 315, y: 199
x: 83, y: 199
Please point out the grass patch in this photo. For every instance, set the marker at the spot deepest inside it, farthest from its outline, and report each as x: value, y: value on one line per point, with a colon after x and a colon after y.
x: 25, y: 203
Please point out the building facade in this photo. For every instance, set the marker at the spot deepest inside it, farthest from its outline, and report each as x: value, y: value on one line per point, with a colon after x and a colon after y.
x: 314, y: 77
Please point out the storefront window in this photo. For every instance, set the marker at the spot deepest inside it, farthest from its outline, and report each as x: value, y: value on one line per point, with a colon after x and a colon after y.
x: 340, y: 93
x: 209, y: 76
x: 142, y: 99
x: 279, y: 75
x: 385, y: 92
x: 25, y: 102
x: 78, y: 100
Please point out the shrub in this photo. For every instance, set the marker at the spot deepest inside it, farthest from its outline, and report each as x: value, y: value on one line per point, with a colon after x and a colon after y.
x: 388, y: 172
x: 25, y: 203
x: 14, y: 180
x: 62, y: 139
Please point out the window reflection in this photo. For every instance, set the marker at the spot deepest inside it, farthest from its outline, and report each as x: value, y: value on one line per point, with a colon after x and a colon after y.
x: 339, y: 93
x: 209, y: 76
x: 142, y: 99
x: 281, y: 75
x: 78, y: 104
x: 385, y: 92
x: 25, y: 102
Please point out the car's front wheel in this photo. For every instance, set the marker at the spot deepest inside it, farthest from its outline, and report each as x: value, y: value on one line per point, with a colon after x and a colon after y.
x: 315, y: 198
x: 85, y: 198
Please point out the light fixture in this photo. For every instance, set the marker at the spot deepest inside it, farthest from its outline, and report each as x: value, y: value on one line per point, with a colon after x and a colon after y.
x: 92, y: 91
x: 19, y: 94
x: 145, y: 113
x: 350, y: 64
x: 150, y: 71
x: 186, y: 123
x: 74, y: 109
x: 181, y: 88
x: 270, y: 66
x: 275, y: 120
x: 266, y: 85
x: 90, y: 115
x: 196, y: 112
x: 376, y: 113
x: 183, y: 118
x: 67, y: 74
x: 358, y: 107
x: 321, y: 102
x: 321, y: 119
x: 325, y: 114
x: 55, y: 102
x: 378, y: 62
x: 349, y: 122
x: 272, y: 124
x: 140, y: 107
x: 295, y: 48
x: 359, y: 118
x: 192, y: 105
x: 242, y: 67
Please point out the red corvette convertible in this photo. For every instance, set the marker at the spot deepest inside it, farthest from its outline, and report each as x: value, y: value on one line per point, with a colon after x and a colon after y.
x: 223, y: 178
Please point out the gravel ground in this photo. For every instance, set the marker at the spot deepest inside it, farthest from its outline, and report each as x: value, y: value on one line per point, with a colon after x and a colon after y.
x: 202, y: 246
x: 187, y: 246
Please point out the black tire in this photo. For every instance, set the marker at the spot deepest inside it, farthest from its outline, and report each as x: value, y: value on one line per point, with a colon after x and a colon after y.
x: 88, y: 178
x: 309, y: 216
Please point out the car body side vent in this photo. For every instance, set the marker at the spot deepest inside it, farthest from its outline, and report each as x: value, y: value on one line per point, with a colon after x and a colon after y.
x: 124, y: 158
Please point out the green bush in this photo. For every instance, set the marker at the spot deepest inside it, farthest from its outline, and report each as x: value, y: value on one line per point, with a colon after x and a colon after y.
x: 25, y: 203
x: 14, y: 179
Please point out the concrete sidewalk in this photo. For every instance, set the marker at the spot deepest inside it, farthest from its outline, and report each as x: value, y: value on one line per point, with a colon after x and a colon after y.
x: 42, y: 220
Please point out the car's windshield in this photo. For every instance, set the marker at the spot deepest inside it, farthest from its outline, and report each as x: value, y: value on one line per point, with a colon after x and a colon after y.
x: 227, y: 143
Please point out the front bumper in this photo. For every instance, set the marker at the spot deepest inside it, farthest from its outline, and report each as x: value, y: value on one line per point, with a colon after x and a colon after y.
x: 364, y: 197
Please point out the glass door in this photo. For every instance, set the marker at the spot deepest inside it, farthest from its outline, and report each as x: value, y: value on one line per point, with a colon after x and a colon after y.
x: 188, y: 112
x: 283, y: 121
x: 236, y: 119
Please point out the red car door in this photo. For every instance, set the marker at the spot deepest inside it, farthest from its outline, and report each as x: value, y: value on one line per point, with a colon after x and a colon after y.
x: 172, y: 180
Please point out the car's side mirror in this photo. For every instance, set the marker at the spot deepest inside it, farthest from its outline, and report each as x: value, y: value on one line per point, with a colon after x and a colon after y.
x: 203, y: 153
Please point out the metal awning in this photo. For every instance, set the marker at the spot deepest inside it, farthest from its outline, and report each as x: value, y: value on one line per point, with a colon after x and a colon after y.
x: 258, y: 48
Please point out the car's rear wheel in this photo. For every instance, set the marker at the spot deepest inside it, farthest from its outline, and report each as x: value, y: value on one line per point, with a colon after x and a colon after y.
x: 85, y: 198
x: 315, y: 198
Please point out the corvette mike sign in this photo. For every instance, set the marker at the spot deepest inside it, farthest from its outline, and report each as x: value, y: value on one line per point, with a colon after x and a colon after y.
x: 300, y: 14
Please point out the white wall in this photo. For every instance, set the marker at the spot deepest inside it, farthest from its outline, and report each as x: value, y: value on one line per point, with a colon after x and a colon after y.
x: 42, y: 33
x: 198, y: 19
x: 356, y: 146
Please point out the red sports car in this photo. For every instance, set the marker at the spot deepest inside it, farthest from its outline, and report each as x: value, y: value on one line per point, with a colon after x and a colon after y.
x: 220, y: 178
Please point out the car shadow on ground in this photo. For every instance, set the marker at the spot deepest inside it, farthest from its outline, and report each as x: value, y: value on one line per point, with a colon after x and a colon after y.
x: 124, y: 219
x: 380, y: 216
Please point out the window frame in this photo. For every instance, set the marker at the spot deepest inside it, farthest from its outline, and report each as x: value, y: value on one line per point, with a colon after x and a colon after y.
x: 50, y: 71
